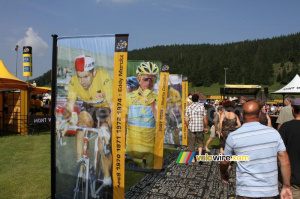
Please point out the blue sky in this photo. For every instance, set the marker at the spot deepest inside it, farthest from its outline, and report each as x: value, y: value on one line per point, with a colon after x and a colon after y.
x: 148, y: 23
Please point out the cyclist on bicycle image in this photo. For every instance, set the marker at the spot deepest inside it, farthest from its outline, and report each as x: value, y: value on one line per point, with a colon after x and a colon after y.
x: 94, y: 88
x: 173, y: 115
x: 141, y: 110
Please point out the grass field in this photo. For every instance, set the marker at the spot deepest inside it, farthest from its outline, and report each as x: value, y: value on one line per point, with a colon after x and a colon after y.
x: 25, y: 166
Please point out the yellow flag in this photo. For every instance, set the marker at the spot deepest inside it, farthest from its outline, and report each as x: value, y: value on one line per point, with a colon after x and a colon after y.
x: 184, y: 105
x: 118, y: 115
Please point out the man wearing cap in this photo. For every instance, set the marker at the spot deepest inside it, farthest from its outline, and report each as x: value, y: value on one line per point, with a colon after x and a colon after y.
x: 141, y: 110
x: 290, y: 133
x: 94, y: 88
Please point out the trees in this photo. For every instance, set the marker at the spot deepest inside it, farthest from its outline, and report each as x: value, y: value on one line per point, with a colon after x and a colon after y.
x: 248, y: 62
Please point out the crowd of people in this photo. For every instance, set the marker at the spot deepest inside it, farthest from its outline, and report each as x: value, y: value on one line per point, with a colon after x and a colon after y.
x: 244, y: 127
x: 40, y: 105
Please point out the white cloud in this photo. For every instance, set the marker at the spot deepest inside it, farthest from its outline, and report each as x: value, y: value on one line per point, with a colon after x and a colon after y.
x: 39, y: 46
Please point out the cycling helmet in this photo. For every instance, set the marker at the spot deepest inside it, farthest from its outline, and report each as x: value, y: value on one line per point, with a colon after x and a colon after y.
x: 132, y: 82
x: 147, y: 68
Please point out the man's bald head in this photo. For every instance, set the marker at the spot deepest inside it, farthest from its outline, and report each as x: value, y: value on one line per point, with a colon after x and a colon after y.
x: 251, y: 111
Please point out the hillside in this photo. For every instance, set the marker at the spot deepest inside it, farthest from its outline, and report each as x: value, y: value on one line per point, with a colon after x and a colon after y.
x: 263, y: 61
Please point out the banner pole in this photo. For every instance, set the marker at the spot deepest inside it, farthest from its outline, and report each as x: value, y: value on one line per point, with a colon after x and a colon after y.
x: 53, y: 119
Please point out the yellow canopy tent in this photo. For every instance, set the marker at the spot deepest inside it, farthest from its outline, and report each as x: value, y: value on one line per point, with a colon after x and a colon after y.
x: 9, y: 81
x: 236, y: 90
x: 14, y: 101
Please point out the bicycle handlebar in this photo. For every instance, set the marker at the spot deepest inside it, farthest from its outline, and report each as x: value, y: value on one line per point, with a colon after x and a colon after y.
x: 79, y: 128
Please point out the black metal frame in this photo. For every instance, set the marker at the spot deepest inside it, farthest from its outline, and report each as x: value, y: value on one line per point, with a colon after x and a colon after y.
x: 53, y: 118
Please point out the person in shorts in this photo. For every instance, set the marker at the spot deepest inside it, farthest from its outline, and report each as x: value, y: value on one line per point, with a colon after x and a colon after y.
x: 196, y: 120
x: 214, y: 129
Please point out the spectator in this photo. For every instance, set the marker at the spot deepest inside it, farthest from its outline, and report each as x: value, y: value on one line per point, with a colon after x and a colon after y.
x: 285, y: 113
x: 239, y: 108
x: 190, y: 99
x: 214, y: 128
x: 272, y: 109
x: 289, y: 132
x: 46, y: 108
x: 38, y: 104
x: 194, y: 117
x: 32, y: 104
x: 264, y: 117
x: 229, y: 122
x: 210, y: 111
x: 257, y: 177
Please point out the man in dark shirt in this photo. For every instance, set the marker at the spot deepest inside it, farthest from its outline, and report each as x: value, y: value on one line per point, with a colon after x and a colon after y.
x: 239, y: 108
x: 290, y: 133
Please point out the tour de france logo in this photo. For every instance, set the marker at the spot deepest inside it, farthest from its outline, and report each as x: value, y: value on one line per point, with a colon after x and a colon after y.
x: 122, y: 45
x: 165, y: 68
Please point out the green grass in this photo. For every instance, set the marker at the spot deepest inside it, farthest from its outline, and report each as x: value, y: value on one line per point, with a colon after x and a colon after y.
x: 214, y: 143
x: 26, y: 171
x: 25, y: 166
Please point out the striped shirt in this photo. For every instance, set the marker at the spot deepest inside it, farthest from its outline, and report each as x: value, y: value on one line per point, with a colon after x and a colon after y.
x: 195, y: 112
x: 259, y: 176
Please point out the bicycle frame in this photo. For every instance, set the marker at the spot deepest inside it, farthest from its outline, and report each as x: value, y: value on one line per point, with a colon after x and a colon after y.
x: 84, y: 181
x: 86, y: 160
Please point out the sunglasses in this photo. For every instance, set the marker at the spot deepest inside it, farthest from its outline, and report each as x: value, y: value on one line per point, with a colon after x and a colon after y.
x: 148, y: 79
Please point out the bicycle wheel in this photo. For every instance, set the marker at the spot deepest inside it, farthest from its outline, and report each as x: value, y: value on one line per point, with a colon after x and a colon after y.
x: 82, y: 184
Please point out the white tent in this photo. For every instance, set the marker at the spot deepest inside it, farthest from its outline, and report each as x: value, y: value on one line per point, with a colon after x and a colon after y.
x: 291, y: 88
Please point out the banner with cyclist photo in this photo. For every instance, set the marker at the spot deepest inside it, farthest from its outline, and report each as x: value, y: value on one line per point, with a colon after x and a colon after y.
x: 143, y: 81
x: 173, y: 129
x: 88, y: 68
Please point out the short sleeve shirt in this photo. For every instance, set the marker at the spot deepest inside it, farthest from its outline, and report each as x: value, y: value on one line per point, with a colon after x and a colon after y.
x: 285, y: 115
x: 196, y: 113
x: 257, y: 177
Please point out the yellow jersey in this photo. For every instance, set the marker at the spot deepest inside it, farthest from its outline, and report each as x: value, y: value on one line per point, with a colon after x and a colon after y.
x: 102, y: 83
x: 141, y: 122
x: 174, y: 98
